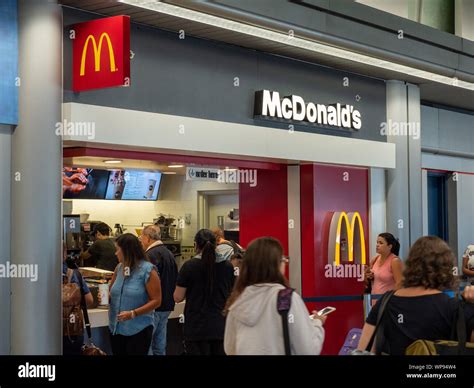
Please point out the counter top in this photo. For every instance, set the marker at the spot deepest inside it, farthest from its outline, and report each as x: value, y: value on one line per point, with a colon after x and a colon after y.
x: 100, y: 317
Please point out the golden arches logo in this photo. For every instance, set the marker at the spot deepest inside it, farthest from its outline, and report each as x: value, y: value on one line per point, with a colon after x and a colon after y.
x: 354, y: 228
x: 97, y: 53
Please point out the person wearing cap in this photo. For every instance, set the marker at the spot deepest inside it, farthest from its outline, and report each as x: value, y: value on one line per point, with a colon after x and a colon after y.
x: 102, y: 253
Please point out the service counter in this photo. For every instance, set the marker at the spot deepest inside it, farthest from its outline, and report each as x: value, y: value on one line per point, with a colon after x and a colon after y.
x: 99, y: 319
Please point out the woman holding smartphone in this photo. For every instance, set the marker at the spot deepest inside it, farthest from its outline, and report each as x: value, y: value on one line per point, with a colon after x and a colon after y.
x: 254, y: 325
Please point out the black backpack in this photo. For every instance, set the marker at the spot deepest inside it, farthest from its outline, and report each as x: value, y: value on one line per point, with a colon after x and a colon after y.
x: 283, y: 307
x: 236, y: 247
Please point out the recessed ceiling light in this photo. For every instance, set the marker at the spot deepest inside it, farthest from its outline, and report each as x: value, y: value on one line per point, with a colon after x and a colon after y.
x: 175, y: 166
x: 169, y: 172
x: 113, y: 161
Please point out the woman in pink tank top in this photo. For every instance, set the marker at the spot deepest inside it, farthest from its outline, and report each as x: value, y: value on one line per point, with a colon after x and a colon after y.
x: 385, y: 271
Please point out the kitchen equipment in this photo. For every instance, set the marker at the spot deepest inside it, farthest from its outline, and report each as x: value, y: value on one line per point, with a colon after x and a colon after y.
x: 118, y: 230
x: 174, y: 246
x: 84, y: 217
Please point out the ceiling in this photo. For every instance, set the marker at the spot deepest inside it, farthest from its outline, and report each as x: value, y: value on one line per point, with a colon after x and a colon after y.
x: 98, y: 162
x: 430, y: 91
x: 135, y: 164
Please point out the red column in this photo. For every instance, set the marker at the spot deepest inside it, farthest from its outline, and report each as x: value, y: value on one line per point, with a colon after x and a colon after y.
x: 264, y: 208
x: 324, y: 190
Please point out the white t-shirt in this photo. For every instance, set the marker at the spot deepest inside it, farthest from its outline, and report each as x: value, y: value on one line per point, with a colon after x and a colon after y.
x: 469, y: 254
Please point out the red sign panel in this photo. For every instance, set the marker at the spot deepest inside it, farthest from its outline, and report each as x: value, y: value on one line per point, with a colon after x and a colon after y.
x: 101, y: 54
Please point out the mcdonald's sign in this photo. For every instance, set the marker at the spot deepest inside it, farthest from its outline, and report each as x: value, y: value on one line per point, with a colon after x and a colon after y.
x: 101, y: 53
x: 346, y: 236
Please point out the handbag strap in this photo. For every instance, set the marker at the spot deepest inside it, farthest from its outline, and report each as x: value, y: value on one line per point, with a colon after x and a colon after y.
x: 378, y: 325
x: 69, y: 274
x: 283, y: 307
x: 84, y: 307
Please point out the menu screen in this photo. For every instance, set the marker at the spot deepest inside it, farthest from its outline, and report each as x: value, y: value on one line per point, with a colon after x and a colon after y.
x: 133, y: 185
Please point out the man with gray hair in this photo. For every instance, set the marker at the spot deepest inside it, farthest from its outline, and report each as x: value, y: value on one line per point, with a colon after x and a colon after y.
x: 165, y: 262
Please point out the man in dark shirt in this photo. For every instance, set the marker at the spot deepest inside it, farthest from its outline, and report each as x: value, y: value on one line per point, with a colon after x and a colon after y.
x: 102, y: 253
x: 165, y: 262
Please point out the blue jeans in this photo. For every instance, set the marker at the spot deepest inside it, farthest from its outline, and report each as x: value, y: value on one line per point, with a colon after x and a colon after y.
x: 158, y: 344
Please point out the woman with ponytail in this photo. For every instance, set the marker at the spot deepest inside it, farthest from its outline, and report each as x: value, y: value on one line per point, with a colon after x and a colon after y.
x: 205, y: 282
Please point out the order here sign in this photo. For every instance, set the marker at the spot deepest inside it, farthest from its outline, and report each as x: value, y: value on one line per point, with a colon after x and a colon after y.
x: 101, y: 53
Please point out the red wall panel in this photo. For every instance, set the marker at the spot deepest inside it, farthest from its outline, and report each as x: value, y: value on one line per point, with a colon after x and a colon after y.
x: 326, y: 189
x: 264, y: 208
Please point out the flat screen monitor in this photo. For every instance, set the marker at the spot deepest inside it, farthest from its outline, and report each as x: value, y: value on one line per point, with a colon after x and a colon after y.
x: 84, y: 183
x: 89, y: 183
x: 133, y: 185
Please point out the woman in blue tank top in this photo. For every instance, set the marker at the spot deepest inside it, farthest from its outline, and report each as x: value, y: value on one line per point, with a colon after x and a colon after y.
x: 135, y: 292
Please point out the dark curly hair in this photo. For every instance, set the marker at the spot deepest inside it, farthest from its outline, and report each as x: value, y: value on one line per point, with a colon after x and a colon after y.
x: 430, y: 265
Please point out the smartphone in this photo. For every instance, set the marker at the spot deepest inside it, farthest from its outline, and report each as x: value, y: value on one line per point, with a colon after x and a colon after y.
x: 326, y: 311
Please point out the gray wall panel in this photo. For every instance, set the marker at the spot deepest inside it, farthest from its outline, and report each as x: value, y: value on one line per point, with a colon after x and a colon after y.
x: 414, y: 170
x: 452, y: 200
x: 397, y: 183
x: 371, y: 15
x: 355, y: 31
x: 468, y: 45
x: 447, y: 163
x: 456, y: 131
x: 466, y: 64
x: 447, y: 130
x: 283, y: 10
x: 5, y: 235
x: 429, y: 127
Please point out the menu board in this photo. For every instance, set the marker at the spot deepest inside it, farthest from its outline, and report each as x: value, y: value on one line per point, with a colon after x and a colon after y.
x: 133, y: 185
